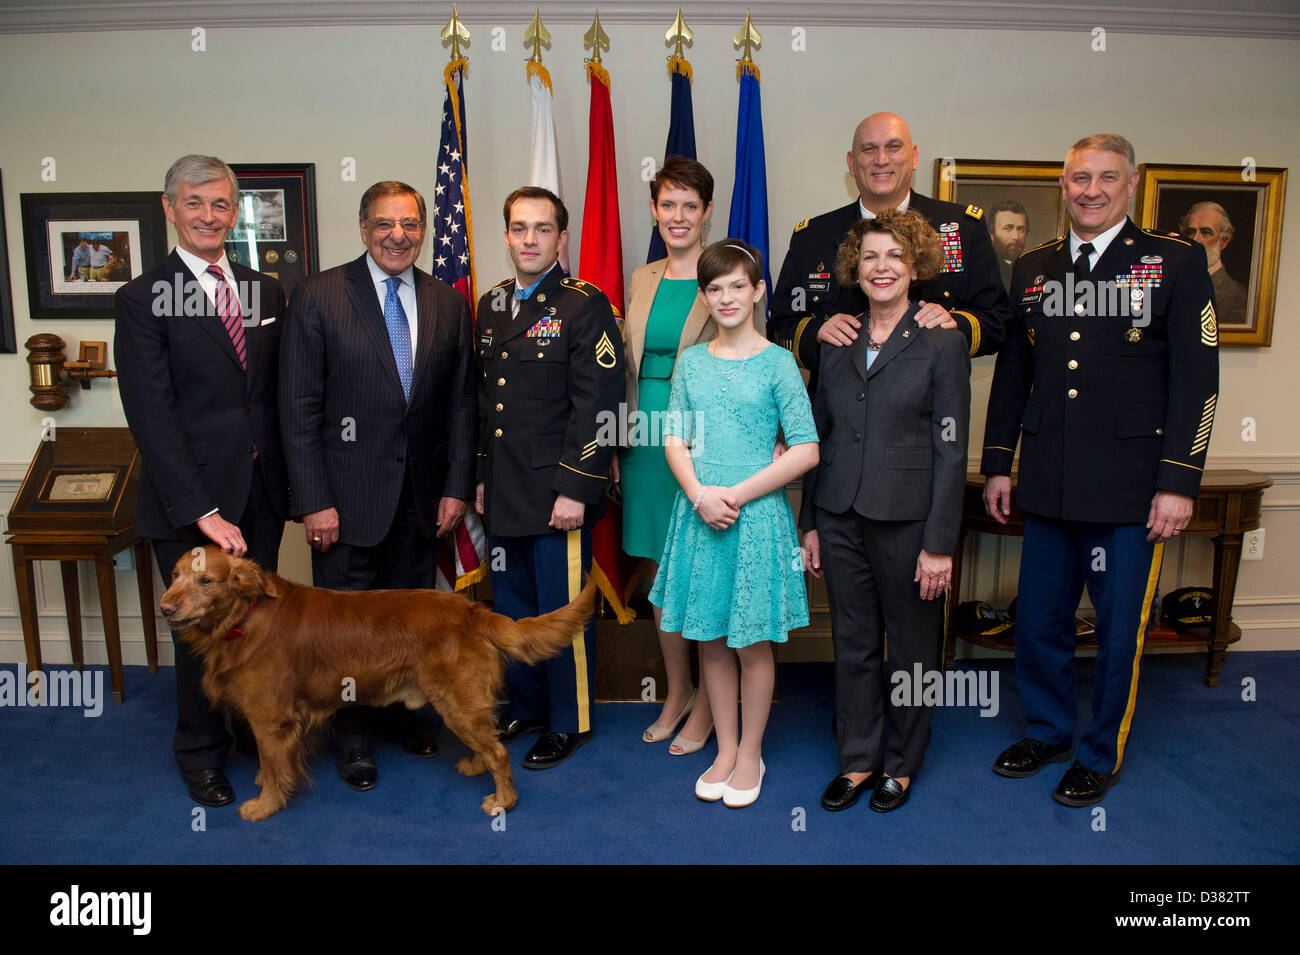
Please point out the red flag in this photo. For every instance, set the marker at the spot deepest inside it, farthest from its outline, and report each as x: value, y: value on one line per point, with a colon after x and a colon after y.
x: 601, y: 263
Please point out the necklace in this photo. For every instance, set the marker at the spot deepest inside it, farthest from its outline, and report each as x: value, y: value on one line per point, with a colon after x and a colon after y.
x: 871, y: 342
x: 730, y: 376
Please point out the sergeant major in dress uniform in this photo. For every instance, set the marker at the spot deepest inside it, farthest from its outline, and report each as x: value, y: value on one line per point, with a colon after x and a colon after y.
x: 551, y: 362
x: 1108, y: 379
x: 809, y: 305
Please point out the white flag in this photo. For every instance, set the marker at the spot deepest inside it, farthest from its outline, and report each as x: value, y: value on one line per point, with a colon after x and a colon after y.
x: 544, y: 157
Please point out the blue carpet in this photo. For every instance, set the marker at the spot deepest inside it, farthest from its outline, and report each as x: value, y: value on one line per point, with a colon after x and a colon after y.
x: 1208, y: 779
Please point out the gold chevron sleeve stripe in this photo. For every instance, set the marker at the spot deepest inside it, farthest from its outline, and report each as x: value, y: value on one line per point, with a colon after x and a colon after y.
x: 1209, y: 327
x: 974, y: 331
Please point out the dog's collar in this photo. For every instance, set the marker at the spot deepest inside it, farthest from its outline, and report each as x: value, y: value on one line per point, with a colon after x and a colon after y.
x: 235, y: 632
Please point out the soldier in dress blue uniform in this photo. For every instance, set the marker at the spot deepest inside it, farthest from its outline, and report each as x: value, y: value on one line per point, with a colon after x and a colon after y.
x: 809, y: 305
x: 551, y: 361
x: 1108, y: 379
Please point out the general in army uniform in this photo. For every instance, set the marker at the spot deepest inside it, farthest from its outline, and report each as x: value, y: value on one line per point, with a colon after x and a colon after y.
x: 809, y: 304
x: 1108, y: 379
x: 551, y: 360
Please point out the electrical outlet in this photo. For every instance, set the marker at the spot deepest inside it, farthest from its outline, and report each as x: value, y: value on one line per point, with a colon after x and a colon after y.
x: 1252, y: 545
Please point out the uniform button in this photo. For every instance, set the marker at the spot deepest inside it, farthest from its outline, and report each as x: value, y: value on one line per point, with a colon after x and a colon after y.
x: 1073, y: 392
x: 1078, y: 308
x: 1160, y: 430
x: 539, y: 354
x: 500, y: 407
x: 947, y: 294
x: 541, y: 297
x: 497, y: 432
x: 1072, y: 364
x: 501, y: 381
x: 1028, y: 310
x: 504, y: 355
x: 857, y: 437
x: 1075, y: 336
x: 817, y: 298
x: 862, y: 395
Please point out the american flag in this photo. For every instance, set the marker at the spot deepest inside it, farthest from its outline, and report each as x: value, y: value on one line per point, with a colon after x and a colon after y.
x: 452, y: 239
x: 459, y: 560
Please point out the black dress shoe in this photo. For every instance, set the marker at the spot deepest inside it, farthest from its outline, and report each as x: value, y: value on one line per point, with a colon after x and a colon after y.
x: 554, y: 748
x: 1028, y: 757
x: 419, y: 741
x: 1081, y: 786
x: 357, y: 766
x: 889, y: 794
x: 841, y: 793
x: 511, y: 730
x: 208, y: 787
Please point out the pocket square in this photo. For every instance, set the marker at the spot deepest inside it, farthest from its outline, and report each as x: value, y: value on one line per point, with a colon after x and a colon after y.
x: 268, y: 321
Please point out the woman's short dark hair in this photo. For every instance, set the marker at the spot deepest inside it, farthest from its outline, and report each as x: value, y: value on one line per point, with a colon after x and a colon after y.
x: 686, y: 174
x: 916, y: 237
x: 722, y: 258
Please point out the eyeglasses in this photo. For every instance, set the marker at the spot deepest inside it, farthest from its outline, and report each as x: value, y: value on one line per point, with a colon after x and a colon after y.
x: 385, y: 226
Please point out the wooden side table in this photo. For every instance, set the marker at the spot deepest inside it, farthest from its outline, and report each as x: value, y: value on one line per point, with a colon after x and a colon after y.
x: 67, y: 548
x: 1227, y: 507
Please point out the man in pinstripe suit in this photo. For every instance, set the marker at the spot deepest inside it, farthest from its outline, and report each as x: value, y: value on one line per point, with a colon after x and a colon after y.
x: 378, y: 413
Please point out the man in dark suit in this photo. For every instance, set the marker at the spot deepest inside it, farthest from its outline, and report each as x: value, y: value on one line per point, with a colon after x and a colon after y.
x: 811, y: 306
x: 552, y: 361
x: 378, y: 410
x: 1108, y: 380
x: 197, y: 348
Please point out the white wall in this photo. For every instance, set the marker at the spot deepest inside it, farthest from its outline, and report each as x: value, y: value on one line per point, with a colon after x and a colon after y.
x: 114, y: 109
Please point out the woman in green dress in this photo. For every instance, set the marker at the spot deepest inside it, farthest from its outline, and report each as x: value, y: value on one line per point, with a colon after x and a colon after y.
x: 666, y: 314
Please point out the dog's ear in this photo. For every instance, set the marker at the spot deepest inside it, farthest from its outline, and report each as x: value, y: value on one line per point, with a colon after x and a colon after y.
x: 249, y: 580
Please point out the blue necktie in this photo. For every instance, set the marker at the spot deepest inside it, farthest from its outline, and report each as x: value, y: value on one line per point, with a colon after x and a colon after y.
x: 399, y: 334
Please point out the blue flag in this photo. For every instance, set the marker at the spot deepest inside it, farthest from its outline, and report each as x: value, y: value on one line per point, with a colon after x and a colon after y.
x: 681, y: 135
x: 749, y: 194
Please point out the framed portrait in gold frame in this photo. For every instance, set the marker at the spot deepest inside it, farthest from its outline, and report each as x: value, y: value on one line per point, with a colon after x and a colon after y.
x: 1236, y: 213
x: 1021, y: 201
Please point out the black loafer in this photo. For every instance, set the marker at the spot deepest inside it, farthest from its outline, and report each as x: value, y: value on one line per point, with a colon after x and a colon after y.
x: 418, y: 741
x: 841, y: 793
x: 511, y: 730
x: 208, y: 787
x: 1081, y: 786
x: 1028, y: 757
x: 357, y: 767
x: 554, y: 748
x: 888, y: 794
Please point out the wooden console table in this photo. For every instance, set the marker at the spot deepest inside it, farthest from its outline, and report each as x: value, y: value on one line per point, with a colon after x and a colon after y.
x: 1228, y: 506
x: 67, y: 549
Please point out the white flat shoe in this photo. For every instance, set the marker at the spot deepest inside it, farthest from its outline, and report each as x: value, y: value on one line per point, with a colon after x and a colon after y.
x: 657, y: 734
x: 710, y: 792
x: 740, y: 798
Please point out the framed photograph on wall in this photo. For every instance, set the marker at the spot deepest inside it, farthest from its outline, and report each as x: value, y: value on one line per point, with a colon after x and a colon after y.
x: 276, y: 229
x: 8, y: 343
x: 82, y: 247
x: 1236, y: 213
x: 1021, y: 201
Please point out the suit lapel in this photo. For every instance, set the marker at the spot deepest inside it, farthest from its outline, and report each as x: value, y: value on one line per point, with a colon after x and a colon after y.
x: 638, y: 314
x: 426, y: 318
x: 900, y: 339
x: 365, y: 307
x: 696, y: 319
x: 209, y: 321
x: 1118, y: 257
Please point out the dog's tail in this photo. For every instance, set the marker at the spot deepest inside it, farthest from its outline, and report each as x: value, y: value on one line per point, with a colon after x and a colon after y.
x: 534, y: 639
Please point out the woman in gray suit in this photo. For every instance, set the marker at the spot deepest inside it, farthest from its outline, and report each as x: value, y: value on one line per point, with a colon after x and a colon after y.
x: 666, y: 314
x: 882, y: 512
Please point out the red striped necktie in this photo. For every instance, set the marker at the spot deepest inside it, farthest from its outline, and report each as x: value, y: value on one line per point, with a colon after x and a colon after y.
x: 228, y: 308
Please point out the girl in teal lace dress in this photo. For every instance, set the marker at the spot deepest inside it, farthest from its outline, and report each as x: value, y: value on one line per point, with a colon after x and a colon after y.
x: 732, y: 573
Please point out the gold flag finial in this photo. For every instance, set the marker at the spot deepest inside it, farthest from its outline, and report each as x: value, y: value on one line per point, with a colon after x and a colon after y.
x: 596, y: 40
x: 679, y: 33
x: 747, y: 40
x: 455, y: 33
x: 537, y: 35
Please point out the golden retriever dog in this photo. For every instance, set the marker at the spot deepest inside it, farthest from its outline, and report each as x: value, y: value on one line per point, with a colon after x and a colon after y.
x: 283, y: 655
